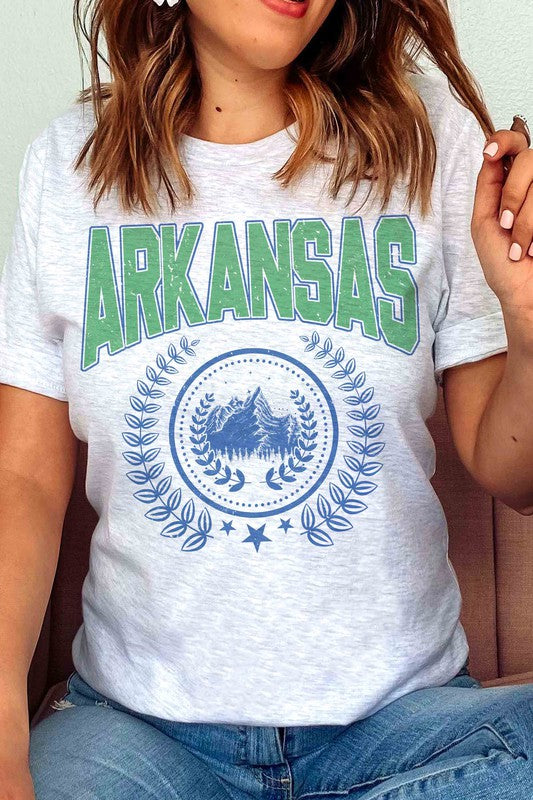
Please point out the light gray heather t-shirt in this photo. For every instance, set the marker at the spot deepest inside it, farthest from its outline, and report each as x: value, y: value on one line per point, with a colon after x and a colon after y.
x: 252, y: 375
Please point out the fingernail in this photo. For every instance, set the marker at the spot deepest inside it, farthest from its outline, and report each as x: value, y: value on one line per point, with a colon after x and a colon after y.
x: 491, y: 149
x: 506, y: 219
x: 530, y: 251
x: 515, y: 253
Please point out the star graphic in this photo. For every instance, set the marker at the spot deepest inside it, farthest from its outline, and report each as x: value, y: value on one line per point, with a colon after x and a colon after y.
x: 257, y: 537
x: 227, y: 527
x: 285, y: 524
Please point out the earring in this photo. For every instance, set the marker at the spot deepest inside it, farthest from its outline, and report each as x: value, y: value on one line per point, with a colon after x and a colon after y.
x: 170, y: 2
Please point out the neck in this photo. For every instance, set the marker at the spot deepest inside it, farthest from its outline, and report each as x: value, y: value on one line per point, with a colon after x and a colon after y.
x: 240, y: 103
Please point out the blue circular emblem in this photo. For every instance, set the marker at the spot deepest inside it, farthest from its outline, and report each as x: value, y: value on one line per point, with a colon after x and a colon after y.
x: 253, y: 432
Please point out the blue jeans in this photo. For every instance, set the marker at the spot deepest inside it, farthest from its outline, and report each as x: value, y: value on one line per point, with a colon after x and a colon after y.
x: 459, y: 741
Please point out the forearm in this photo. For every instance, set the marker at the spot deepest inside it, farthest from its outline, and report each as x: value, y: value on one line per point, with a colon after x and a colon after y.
x: 503, y: 453
x: 29, y: 547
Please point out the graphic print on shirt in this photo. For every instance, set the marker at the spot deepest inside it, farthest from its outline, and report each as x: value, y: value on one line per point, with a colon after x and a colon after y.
x: 254, y: 432
x: 253, y: 450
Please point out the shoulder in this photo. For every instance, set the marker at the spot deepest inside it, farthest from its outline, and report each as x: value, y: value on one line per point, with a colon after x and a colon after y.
x: 57, y: 143
x: 447, y: 113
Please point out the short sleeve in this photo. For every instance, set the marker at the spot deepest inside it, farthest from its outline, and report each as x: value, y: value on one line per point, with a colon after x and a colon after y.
x: 469, y: 323
x: 29, y: 357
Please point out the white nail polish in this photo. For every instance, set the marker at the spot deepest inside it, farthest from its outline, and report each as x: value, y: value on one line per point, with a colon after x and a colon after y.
x: 507, y: 219
x: 491, y: 149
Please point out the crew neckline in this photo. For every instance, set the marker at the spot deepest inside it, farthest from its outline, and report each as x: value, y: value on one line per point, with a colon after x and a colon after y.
x: 265, y: 150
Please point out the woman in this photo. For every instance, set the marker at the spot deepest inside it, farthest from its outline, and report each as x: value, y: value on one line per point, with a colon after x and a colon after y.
x: 240, y: 276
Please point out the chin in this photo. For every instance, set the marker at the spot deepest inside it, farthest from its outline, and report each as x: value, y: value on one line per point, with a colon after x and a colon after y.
x: 270, y: 57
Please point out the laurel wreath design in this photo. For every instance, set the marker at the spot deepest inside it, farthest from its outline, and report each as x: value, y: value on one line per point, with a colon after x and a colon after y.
x: 206, y: 456
x: 303, y: 453
x: 344, y: 496
x: 184, y: 516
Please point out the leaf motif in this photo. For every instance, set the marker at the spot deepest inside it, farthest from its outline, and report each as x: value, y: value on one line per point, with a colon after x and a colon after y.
x: 138, y: 477
x: 164, y: 485
x: 336, y: 493
x: 174, y: 499
x: 338, y: 523
x: 187, y: 512
x: 148, y: 438
x: 308, y: 517
x: 132, y: 420
x: 372, y: 411
x: 356, y: 430
x: 319, y: 538
x: 367, y: 395
x: 375, y: 448
x: 146, y: 495
x: 174, y: 529
x: 136, y: 404
x: 364, y: 487
x: 371, y: 468
x: 374, y: 430
x: 323, y: 506
x: 353, y: 463
x: 151, y: 454
x: 345, y: 478
x: 353, y: 506
x: 149, y: 422
x: 132, y: 439
x: 357, y: 447
x: 194, y: 542
x: 156, y: 470
x: 238, y: 486
x: 350, y: 366
x: 133, y: 458
x: 158, y: 514
x: 204, y: 521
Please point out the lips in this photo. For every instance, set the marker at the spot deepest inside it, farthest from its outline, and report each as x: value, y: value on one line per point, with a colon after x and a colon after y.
x: 289, y: 8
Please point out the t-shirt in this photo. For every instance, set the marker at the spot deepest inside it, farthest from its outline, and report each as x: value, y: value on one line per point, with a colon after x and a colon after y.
x: 253, y: 374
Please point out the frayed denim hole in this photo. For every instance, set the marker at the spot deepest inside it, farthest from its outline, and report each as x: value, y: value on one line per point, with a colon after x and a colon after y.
x: 62, y: 704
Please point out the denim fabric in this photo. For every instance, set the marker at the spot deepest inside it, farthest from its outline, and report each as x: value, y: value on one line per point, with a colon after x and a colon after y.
x: 453, y: 742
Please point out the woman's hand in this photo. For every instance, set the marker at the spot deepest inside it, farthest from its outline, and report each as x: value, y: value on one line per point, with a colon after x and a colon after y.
x: 503, y: 248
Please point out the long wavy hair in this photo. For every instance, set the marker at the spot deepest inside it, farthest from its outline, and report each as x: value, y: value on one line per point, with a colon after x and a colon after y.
x: 349, y: 85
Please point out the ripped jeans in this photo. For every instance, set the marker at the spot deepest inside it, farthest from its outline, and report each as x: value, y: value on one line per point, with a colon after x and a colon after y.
x: 459, y: 741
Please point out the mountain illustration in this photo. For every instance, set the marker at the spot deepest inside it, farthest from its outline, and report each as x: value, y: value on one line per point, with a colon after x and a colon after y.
x: 245, y: 427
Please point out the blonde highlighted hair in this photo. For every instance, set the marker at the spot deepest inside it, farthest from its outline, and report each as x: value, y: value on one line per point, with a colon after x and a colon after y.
x: 349, y: 85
